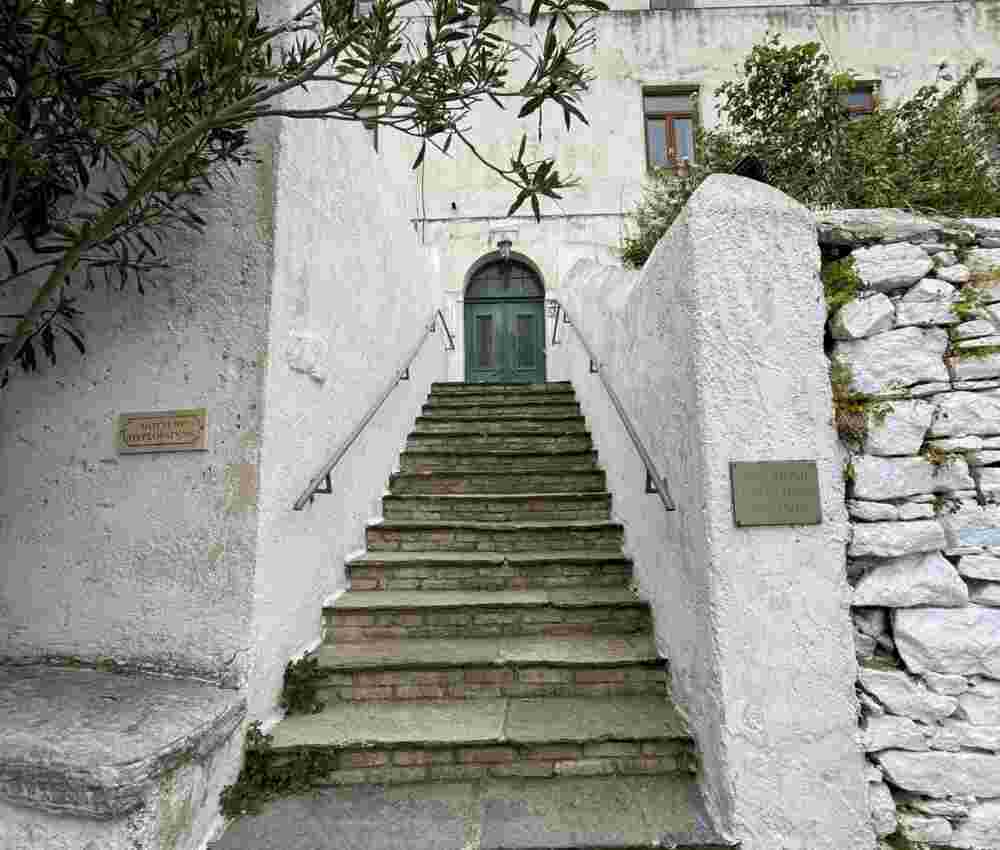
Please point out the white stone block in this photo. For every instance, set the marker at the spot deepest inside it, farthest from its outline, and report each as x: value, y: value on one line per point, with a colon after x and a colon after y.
x: 872, y: 511
x: 914, y: 580
x: 974, y: 329
x: 934, y: 830
x: 941, y: 774
x: 941, y: 259
x: 962, y: 413
x: 902, y: 430
x: 970, y: 368
x: 983, y: 457
x: 905, y: 696
x: 949, y: 640
x: 930, y: 289
x: 980, y: 566
x: 981, y: 260
x: 924, y: 315
x: 840, y: 227
x: 951, y: 808
x: 989, y: 479
x: 971, y: 524
x: 954, y: 274
x: 981, y: 710
x: 894, y: 359
x: 895, y: 539
x: 916, y: 510
x: 883, y: 808
x: 888, y: 267
x: 982, y: 226
x: 946, y: 683
x: 889, y: 732
x: 986, y: 594
x: 863, y: 317
x: 979, y: 342
x: 981, y: 829
x: 957, y: 444
x: 880, y: 478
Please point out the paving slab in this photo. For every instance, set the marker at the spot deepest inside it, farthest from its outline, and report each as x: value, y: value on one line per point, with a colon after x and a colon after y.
x: 623, y: 718
x: 603, y: 649
x: 88, y: 742
x: 389, y: 723
x: 458, y: 652
x: 609, y: 812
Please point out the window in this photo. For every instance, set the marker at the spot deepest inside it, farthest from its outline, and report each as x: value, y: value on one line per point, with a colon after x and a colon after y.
x: 860, y: 100
x: 669, y: 116
x: 988, y: 98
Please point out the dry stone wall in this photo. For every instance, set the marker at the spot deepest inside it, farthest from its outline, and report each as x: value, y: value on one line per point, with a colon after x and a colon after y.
x: 916, y: 371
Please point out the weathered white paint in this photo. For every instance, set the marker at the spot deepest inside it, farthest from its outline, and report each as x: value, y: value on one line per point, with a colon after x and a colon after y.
x: 753, y: 620
x: 701, y: 47
x: 349, y: 271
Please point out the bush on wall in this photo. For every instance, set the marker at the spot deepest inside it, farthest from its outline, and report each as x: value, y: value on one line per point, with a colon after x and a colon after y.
x: 930, y: 152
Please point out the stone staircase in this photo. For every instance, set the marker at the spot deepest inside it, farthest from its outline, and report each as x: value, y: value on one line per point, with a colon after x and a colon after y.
x: 490, y: 638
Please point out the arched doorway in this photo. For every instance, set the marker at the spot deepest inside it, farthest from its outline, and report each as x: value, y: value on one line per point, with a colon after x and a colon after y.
x: 504, y: 322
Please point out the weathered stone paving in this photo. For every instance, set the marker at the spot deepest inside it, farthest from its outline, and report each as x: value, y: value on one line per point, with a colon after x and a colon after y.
x: 490, y: 632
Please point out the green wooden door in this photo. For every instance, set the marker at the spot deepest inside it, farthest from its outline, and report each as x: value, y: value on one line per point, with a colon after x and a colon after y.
x: 505, y: 326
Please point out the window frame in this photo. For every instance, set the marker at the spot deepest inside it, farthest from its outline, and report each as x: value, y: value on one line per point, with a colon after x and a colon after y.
x: 691, y: 91
x: 866, y: 87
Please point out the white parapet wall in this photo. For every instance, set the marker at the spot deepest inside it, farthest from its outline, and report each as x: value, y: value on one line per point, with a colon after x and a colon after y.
x: 716, y: 351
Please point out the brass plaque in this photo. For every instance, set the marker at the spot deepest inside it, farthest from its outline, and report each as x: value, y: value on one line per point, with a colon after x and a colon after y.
x: 166, y: 431
x: 783, y: 492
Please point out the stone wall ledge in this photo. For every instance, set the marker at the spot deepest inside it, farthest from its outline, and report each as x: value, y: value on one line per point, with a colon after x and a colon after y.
x: 90, y: 743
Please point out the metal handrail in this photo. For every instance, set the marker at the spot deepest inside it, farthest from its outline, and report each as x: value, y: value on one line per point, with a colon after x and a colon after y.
x: 401, y: 374
x: 654, y: 482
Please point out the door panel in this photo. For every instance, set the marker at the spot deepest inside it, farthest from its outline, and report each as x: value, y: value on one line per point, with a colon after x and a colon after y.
x: 485, y: 332
x: 505, y: 341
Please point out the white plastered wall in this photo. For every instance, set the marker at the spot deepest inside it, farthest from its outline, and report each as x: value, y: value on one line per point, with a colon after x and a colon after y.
x: 716, y: 352
x: 352, y: 294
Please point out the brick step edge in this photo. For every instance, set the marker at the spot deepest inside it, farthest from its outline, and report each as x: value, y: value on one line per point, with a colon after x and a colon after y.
x: 491, y: 482
x: 492, y: 577
x: 407, y: 764
x: 349, y: 627
x: 489, y: 682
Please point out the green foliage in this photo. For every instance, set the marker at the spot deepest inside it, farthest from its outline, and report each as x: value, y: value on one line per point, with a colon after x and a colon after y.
x: 298, y: 692
x: 853, y: 411
x: 972, y: 298
x: 840, y: 283
x: 930, y: 152
x: 265, y: 774
x: 118, y: 117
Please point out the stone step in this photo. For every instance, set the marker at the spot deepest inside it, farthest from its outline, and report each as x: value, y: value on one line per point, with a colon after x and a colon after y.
x: 404, y: 742
x: 499, y: 413
x: 462, y: 425
x: 489, y: 482
x: 459, y: 460
x: 568, y: 813
x: 503, y: 396
x: 460, y: 409
x: 456, y: 388
x: 469, y: 536
x: 359, y: 616
x: 487, y: 570
x: 487, y: 668
x: 510, y: 441
x: 498, y: 507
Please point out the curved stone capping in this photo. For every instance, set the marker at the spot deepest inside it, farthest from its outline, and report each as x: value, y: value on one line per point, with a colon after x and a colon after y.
x: 90, y: 743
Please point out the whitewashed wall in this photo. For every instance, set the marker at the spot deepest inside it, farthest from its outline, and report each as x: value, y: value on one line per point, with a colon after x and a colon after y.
x: 716, y: 351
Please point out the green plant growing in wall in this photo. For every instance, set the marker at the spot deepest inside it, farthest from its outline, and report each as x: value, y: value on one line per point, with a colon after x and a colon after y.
x: 265, y: 774
x: 118, y: 118
x: 300, y: 685
x: 853, y: 412
x: 841, y: 283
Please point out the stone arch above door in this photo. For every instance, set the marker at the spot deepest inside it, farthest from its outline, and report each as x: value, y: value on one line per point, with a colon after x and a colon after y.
x: 504, y: 321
